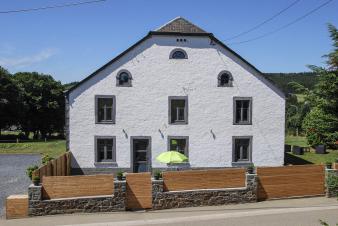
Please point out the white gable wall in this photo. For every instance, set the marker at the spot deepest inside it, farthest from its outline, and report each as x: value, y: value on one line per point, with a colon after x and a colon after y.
x: 142, y: 110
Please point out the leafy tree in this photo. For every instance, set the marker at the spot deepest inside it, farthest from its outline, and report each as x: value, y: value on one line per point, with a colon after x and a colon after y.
x: 42, y: 103
x: 8, y: 100
x: 321, y: 124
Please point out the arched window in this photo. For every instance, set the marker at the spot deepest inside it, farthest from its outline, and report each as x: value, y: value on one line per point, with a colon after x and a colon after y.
x: 123, y: 78
x: 178, y: 54
x: 225, y: 79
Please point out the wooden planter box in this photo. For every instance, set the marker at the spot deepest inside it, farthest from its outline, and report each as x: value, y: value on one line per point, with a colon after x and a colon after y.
x: 321, y: 149
x: 297, y: 150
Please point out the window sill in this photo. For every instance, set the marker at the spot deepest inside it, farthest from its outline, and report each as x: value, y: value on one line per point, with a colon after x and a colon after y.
x: 178, y: 123
x: 242, y: 123
x: 106, y: 164
x: 242, y: 163
x: 105, y: 122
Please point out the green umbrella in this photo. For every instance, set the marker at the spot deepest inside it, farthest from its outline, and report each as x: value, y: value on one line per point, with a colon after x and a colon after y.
x: 171, y: 157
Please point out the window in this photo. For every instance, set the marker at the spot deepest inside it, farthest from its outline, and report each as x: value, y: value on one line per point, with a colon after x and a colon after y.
x: 178, y: 54
x: 178, y: 110
x: 123, y: 78
x: 105, y: 109
x: 105, y: 149
x: 178, y: 143
x: 241, y: 149
x: 243, y: 110
x: 225, y: 79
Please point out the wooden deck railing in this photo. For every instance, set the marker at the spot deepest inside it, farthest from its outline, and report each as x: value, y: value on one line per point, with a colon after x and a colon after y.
x: 60, y: 166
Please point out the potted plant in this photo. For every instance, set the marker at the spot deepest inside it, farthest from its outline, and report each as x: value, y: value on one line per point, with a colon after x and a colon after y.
x: 157, y: 174
x: 250, y: 168
x: 119, y: 175
x: 36, y: 180
x: 321, y: 149
x: 328, y: 165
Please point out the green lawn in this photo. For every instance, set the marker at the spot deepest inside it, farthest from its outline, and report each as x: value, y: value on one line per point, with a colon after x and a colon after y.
x: 53, y: 148
x: 308, y: 157
x: 294, y: 140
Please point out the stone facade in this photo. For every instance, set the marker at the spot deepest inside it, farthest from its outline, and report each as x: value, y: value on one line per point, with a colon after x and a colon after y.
x: 330, y: 190
x: 39, y: 207
x: 205, y: 197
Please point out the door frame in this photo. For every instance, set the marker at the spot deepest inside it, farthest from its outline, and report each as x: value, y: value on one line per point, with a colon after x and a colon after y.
x: 149, y: 156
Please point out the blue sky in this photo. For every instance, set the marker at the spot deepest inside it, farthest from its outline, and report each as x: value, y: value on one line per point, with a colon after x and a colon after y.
x: 70, y: 43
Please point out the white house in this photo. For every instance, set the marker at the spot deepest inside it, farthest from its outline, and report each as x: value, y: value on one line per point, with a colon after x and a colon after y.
x: 178, y: 88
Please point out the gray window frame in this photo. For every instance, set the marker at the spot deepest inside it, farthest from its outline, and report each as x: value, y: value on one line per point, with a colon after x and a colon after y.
x: 97, y: 97
x: 250, y: 111
x: 105, y: 162
x: 186, y: 151
x: 129, y: 84
x: 186, y: 108
x: 230, y: 79
x: 178, y: 49
x: 242, y: 163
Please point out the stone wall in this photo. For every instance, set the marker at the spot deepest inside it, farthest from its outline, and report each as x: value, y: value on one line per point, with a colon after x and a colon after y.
x: 330, y: 190
x: 204, y: 197
x: 39, y: 207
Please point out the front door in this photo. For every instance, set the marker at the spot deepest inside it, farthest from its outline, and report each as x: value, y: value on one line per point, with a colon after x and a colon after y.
x: 141, y: 150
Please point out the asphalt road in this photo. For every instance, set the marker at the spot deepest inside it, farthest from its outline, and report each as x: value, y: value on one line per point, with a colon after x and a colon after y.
x: 13, y: 179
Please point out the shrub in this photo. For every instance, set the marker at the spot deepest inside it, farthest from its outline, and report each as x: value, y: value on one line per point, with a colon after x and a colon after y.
x: 30, y: 170
x: 332, y: 182
x: 46, y: 158
x: 119, y: 173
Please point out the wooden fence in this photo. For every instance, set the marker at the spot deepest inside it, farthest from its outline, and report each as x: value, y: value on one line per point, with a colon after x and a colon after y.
x: 139, y: 191
x: 77, y: 186
x: 203, y: 179
x: 56, y: 167
x: 290, y: 181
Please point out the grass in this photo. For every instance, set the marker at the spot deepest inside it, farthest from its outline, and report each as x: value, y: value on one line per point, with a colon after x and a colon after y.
x: 53, y: 148
x: 309, y: 157
x: 296, y: 140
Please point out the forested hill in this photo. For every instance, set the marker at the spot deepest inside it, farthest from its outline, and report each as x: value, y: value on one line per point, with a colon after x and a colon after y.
x: 281, y: 80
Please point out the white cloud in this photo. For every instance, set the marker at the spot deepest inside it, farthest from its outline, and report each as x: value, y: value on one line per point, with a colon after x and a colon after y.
x: 28, y: 60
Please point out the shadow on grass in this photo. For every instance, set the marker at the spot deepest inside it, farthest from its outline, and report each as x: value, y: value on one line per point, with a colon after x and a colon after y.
x: 294, y: 160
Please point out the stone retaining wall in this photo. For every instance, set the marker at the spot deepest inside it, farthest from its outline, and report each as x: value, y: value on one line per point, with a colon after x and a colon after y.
x: 204, y: 197
x: 38, y: 206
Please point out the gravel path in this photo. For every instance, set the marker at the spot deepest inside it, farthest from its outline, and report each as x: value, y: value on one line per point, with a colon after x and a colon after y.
x: 13, y: 179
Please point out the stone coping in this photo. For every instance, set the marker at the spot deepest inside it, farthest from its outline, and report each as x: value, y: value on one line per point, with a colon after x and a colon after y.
x: 209, y: 189
x: 80, y: 197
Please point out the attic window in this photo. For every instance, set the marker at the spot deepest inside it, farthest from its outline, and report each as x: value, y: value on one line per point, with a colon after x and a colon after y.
x: 178, y: 54
x: 225, y: 79
x: 123, y: 78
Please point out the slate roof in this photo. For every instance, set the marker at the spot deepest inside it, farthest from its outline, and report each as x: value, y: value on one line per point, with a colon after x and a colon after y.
x: 180, y: 25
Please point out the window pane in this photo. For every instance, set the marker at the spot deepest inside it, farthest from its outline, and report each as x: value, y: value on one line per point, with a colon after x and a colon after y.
x: 178, y: 55
x: 141, y: 145
x: 141, y: 156
x: 105, y: 106
x: 105, y: 145
x: 242, y: 149
x: 178, y: 145
x: 177, y: 110
x: 224, y: 79
x: 242, y: 111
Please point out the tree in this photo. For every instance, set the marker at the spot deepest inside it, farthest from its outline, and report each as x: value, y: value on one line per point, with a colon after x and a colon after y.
x: 42, y: 103
x: 8, y: 100
x: 321, y: 123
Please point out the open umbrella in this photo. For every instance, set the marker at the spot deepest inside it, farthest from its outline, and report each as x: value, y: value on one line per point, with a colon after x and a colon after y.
x: 170, y: 157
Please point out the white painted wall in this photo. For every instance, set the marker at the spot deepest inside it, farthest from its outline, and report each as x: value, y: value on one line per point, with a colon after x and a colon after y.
x: 142, y: 110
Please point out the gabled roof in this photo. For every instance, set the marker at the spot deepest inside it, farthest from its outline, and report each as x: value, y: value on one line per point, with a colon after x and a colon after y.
x: 177, y: 26
x: 182, y: 25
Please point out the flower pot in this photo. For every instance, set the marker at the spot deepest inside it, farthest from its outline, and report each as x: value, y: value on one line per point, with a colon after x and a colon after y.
x: 328, y: 166
x: 119, y: 177
x: 287, y: 148
x: 36, y: 182
x: 321, y: 149
x: 156, y: 177
x: 250, y: 170
x: 297, y: 150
